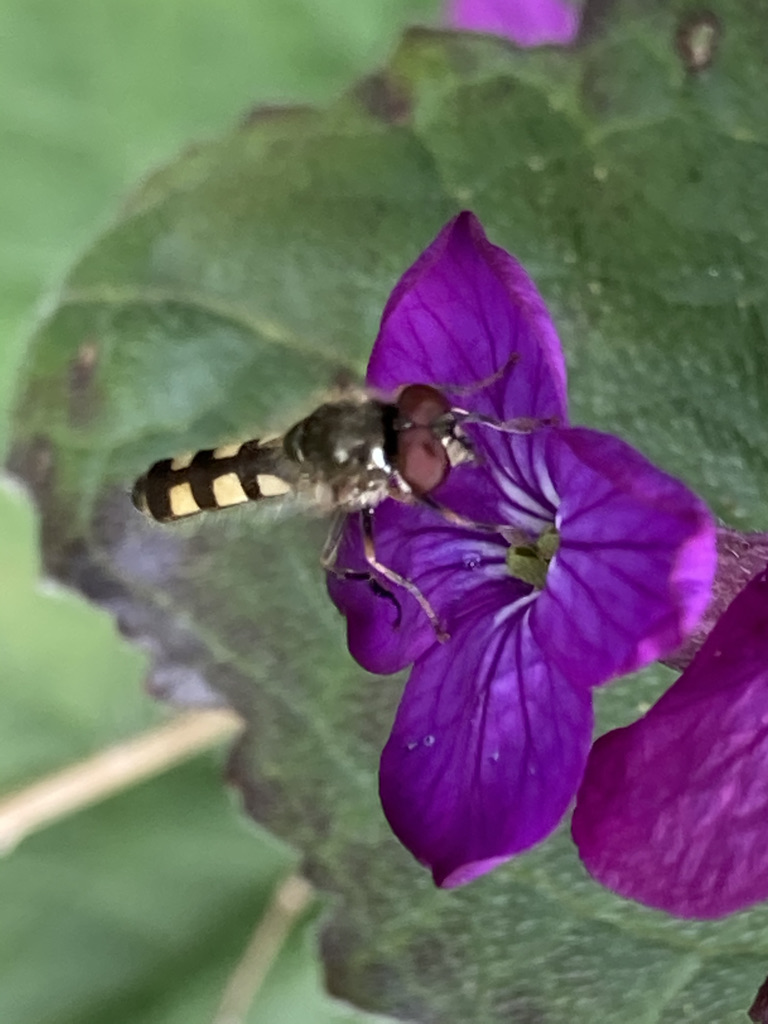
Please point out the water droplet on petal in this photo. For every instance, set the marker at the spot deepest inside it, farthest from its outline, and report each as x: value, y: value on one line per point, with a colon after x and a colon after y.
x: 428, y: 741
x: 494, y: 757
x: 472, y: 560
x: 412, y: 745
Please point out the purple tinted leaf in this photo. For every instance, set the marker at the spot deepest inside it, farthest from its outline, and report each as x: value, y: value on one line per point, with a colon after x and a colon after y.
x: 525, y: 22
x: 673, y: 811
x: 464, y: 313
x: 489, y: 743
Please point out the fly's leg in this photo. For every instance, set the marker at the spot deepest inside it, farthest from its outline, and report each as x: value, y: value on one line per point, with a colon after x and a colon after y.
x: 376, y: 587
x: 445, y: 425
x: 369, y: 552
x: 484, y: 382
x: 518, y: 425
x: 328, y: 561
x: 330, y: 550
x: 510, y: 534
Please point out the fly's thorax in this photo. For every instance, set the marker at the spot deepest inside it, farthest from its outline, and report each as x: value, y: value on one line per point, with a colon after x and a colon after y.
x: 348, y: 446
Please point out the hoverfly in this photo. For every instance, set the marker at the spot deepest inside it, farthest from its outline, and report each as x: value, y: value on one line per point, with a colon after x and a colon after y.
x: 345, y: 456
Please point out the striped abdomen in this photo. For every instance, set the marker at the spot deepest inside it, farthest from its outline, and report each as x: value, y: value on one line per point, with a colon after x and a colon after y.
x: 213, y: 478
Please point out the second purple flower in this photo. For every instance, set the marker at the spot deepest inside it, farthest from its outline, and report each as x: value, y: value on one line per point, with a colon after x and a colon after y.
x: 525, y: 22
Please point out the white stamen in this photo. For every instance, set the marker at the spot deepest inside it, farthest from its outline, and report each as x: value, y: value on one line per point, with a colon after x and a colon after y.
x: 544, y: 480
x: 535, y: 516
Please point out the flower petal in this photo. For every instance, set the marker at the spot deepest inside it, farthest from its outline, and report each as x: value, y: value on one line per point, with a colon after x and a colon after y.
x: 488, y: 746
x: 385, y: 634
x: 636, y: 562
x: 525, y: 22
x: 502, y: 487
x: 673, y: 811
x: 457, y: 317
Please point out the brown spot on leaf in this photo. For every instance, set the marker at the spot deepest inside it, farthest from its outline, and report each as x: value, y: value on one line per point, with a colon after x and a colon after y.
x: 385, y: 98
x: 263, y: 112
x: 697, y: 38
x: 80, y: 378
x: 83, y: 365
x: 594, y: 19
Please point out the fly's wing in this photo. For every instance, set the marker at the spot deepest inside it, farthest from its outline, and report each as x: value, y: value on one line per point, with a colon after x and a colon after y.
x: 330, y: 550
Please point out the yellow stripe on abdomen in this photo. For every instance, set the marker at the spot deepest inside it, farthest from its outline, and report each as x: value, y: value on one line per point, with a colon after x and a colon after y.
x: 182, y: 500
x: 272, y: 486
x: 227, y: 490
x: 211, y: 479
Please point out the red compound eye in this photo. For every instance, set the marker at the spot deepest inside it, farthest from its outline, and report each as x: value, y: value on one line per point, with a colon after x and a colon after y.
x: 422, y: 461
x: 420, y: 405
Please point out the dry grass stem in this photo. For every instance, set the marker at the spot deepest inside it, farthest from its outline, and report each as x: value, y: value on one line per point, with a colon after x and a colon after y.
x: 289, y: 901
x: 110, y: 771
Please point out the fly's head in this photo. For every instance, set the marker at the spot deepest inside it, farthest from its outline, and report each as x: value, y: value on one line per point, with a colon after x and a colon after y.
x: 429, y: 439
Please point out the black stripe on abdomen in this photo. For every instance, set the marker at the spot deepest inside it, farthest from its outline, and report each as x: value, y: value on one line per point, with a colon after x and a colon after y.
x: 202, y: 472
x: 150, y: 492
x: 213, y: 478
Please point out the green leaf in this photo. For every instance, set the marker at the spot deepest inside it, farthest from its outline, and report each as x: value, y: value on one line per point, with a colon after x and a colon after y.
x: 237, y: 286
x: 145, y: 918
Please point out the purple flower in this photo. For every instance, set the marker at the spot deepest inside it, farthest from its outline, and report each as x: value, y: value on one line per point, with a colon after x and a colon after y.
x: 525, y: 22
x: 673, y: 810
x: 493, y: 731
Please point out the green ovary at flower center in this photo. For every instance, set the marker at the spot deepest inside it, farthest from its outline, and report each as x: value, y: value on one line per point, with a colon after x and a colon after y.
x: 530, y: 562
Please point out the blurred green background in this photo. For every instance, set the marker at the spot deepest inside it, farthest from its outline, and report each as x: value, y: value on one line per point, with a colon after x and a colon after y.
x: 138, y: 910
